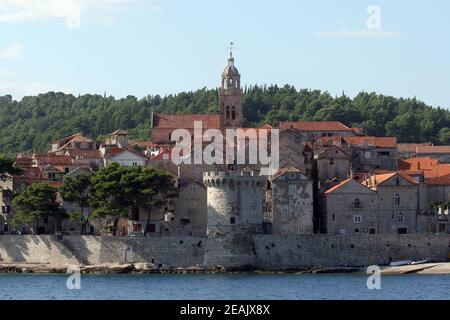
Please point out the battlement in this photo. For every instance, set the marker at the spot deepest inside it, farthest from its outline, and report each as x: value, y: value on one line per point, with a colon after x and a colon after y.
x: 216, y: 178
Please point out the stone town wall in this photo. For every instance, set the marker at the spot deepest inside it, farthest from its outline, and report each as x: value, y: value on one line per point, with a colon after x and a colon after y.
x: 91, y: 250
x: 316, y: 251
x: 269, y: 252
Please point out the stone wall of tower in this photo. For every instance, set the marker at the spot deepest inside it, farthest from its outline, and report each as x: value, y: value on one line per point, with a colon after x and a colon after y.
x: 234, y: 215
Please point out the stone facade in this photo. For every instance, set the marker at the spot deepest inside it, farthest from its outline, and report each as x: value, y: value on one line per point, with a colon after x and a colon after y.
x: 268, y: 252
x: 234, y: 215
x: 292, y: 203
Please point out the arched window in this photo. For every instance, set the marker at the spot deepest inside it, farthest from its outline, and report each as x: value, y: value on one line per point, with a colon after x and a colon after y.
x: 233, y: 113
x: 397, y: 201
x: 357, y: 204
x: 228, y: 113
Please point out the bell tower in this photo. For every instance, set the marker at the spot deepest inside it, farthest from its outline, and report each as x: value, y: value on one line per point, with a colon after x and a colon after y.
x: 230, y: 95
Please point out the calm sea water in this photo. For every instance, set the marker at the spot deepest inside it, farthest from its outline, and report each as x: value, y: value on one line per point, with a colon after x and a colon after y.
x: 224, y: 287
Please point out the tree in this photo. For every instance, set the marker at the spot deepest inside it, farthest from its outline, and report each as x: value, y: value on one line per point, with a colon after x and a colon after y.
x: 444, y: 136
x: 78, y: 191
x: 120, y: 192
x: 145, y: 187
x: 36, y: 202
x: 7, y: 166
x: 107, y: 195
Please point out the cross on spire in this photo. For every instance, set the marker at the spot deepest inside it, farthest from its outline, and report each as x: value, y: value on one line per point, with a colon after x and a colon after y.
x: 231, y: 47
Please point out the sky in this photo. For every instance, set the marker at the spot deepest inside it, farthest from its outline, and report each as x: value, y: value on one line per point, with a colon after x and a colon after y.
x: 141, y: 47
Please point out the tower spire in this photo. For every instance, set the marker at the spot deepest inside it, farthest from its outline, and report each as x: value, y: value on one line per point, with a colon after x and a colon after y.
x: 230, y: 58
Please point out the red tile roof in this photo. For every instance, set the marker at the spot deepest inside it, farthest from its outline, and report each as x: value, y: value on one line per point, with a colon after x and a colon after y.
x: 410, y: 147
x: 431, y: 167
x: 439, y: 181
x: 312, y: 126
x: 83, y: 153
x: 53, y: 159
x: 142, y: 144
x: 433, y: 149
x: 343, y: 183
x: 185, y: 121
x: 379, y: 142
x: 382, y: 178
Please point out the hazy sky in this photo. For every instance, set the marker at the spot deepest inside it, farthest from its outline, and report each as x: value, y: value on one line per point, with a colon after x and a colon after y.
x: 140, y: 47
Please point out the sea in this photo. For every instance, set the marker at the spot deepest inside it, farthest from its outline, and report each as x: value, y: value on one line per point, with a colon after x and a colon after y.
x: 223, y: 287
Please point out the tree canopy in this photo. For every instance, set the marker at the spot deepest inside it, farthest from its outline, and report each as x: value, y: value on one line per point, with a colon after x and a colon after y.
x: 35, y: 121
x: 37, y: 201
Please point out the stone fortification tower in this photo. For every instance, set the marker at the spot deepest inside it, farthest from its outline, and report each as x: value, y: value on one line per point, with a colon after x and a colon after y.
x: 235, y: 201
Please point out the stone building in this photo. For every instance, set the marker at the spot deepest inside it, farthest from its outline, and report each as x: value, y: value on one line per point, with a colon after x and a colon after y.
x: 314, y: 130
x: 398, y: 202
x: 436, y: 152
x: 190, y: 211
x: 291, y: 202
x: 351, y: 208
x: 332, y: 163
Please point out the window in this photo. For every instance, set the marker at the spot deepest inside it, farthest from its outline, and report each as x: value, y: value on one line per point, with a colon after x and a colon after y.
x: 137, y: 228
x: 292, y: 189
x: 233, y: 113
x: 292, y: 175
x: 331, y: 162
x: 228, y: 114
x: 6, y: 209
x: 357, y: 230
x: 400, y: 218
x: 193, y: 188
x: 66, y: 170
x: 357, y: 204
x: 357, y: 219
x: 135, y: 164
x: 284, y: 230
x: 193, y: 204
x: 197, y: 169
x: 333, y: 217
x: 402, y: 231
x: 285, y: 212
x: 372, y: 231
x: 397, y: 200
x: 232, y: 220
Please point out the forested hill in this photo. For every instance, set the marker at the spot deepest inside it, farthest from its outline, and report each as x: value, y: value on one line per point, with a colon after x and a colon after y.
x: 34, y: 122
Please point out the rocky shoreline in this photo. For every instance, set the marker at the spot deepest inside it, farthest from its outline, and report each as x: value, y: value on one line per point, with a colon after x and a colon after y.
x: 146, y: 268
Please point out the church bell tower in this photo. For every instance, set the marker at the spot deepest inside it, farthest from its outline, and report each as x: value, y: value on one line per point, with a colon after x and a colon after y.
x: 230, y: 96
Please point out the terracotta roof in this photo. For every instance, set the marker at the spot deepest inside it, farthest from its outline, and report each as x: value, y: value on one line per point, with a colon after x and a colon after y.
x: 55, y: 184
x: 164, y: 155
x: 439, y: 181
x: 185, y: 121
x: 24, y: 162
x: 433, y: 149
x: 313, y: 126
x: 53, y: 159
x: 431, y: 167
x: 142, y: 144
x: 329, y: 148
x: 288, y: 169
x: 84, y: 153
x: 410, y: 147
x: 382, y: 178
x: 120, y: 132
x: 64, y: 140
x: 379, y: 142
x: 338, y: 186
